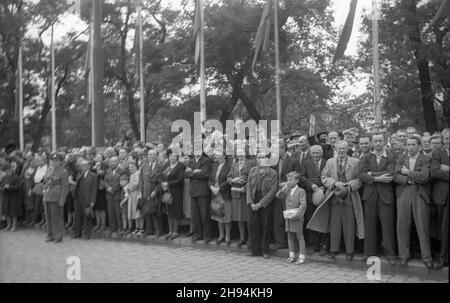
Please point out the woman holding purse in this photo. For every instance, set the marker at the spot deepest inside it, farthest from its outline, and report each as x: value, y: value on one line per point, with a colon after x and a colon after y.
x: 221, y: 192
x: 295, y: 199
x: 172, y: 186
x: 237, y: 178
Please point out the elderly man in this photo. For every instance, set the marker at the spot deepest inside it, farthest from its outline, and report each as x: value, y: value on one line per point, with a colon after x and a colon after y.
x: 85, y: 196
x: 113, y: 192
x: 440, y: 176
x: 412, y: 178
x: 285, y: 165
x: 310, y: 181
x: 262, y: 186
x: 55, y: 194
x: 149, y: 181
x: 341, y: 174
x: 376, y: 173
x: 198, y: 171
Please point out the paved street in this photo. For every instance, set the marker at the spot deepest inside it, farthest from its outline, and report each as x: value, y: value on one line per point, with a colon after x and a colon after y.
x: 25, y: 257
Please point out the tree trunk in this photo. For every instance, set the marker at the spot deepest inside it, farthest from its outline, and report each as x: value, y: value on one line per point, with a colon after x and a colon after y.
x: 41, y: 126
x: 422, y: 66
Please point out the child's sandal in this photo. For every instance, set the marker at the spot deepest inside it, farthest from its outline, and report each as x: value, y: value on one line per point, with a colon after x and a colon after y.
x: 300, y: 261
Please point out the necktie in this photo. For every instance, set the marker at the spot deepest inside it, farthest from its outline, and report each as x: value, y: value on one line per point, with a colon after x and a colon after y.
x: 340, y: 166
x: 318, y: 166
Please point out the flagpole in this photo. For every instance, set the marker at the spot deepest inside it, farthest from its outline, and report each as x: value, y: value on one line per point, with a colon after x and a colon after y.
x: 20, y: 88
x: 97, y: 76
x: 91, y: 77
x: 277, y: 65
x: 202, y: 66
x: 376, y: 64
x: 141, y: 72
x: 52, y: 91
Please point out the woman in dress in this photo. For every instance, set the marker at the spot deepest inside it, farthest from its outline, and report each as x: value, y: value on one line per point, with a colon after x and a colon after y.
x: 133, y: 196
x: 173, y: 183
x: 100, y: 168
x: 11, y: 187
x: 220, y: 189
x: 185, y: 160
x: 237, y: 178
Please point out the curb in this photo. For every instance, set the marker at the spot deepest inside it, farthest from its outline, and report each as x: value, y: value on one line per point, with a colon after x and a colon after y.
x: 415, y: 267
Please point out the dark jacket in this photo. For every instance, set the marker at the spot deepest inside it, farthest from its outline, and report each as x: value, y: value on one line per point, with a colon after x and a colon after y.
x: 439, y: 177
x: 112, y: 179
x: 419, y: 174
x: 269, y: 186
x: 290, y: 164
x: 369, y: 163
x: 199, y: 181
x: 309, y: 176
x: 224, y: 186
x: 150, y: 179
x: 86, y: 189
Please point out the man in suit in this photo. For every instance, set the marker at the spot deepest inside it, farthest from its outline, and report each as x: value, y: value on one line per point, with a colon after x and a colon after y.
x: 113, y: 191
x: 436, y: 142
x: 55, y: 194
x: 285, y: 165
x: 363, y: 147
x: 376, y: 174
x: 149, y: 181
x: 341, y: 173
x: 198, y: 172
x: 426, y: 146
x: 310, y: 172
x: 262, y: 187
x: 440, y: 176
x: 413, y: 189
x: 85, y: 196
x: 303, y: 152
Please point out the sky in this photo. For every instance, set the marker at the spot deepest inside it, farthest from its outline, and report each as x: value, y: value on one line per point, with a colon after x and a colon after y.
x: 70, y: 22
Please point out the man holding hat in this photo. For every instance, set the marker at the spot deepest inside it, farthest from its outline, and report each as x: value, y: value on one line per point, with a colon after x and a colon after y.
x: 310, y: 172
x: 341, y: 174
x: 55, y: 194
x: 85, y: 197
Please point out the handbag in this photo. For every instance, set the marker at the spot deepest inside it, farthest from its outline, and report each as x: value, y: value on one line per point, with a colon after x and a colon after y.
x: 38, y: 189
x: 217, y: 206
x: 150, y: 206
x: 167, y: 198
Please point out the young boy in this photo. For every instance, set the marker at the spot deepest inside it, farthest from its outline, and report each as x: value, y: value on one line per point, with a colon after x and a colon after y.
x: 295, y: 198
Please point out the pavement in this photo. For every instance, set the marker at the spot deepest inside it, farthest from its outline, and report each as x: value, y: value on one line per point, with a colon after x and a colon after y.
x: 26, y: 257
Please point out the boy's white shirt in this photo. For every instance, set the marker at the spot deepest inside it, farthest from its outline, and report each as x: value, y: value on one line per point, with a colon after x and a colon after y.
x: 293, y: 189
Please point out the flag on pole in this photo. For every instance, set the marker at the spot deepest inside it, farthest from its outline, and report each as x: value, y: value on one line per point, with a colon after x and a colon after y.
x: 199, y: 24
x: 312, y: 124
x: 443, y: 11
x: 263, y: 33
x: 346, y: 32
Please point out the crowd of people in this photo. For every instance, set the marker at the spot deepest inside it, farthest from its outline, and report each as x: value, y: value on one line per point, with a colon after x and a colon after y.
x: 376, y: 186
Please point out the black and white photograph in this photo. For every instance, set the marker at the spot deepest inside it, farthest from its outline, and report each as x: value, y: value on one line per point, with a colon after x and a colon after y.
x: 224, y: 146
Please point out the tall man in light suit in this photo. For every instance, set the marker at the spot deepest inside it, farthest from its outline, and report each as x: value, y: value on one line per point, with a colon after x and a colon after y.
x: 341, y: 173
